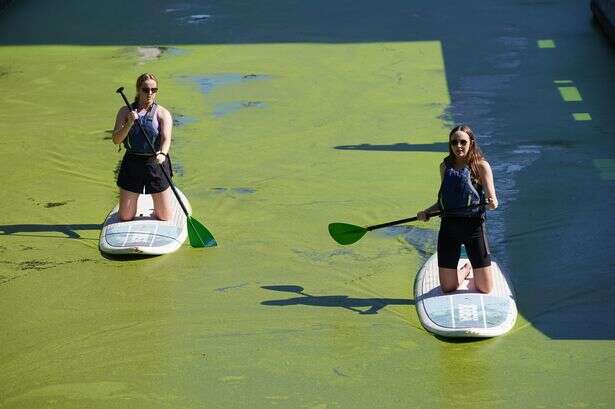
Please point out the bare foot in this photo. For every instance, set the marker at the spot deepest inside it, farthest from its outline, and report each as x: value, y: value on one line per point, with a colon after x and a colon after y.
x: 464, y: 272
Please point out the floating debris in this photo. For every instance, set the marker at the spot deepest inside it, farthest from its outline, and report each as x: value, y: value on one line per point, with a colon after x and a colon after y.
x: 181, y: 120
x: 54, y: 204
x: 149, y: 53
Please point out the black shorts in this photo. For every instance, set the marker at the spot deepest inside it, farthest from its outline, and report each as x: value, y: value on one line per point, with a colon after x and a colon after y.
x: 139, y: 172
x: 469, y: 231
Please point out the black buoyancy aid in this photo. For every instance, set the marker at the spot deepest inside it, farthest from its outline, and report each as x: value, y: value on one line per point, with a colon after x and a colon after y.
x: 459, y: 193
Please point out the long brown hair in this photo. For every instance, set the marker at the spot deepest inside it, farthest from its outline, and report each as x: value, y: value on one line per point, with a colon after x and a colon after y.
x: 474, y: 153
x: 140, y: 80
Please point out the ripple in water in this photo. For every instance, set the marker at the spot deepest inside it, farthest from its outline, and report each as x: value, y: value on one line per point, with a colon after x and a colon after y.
x: 195, y: 19
x: 424, y: 240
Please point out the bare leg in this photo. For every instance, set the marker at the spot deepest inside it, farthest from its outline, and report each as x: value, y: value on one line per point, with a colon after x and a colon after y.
x: 128, y: 205
x: 483, y: 279
x: 450, y: 279
x: 163, y: 204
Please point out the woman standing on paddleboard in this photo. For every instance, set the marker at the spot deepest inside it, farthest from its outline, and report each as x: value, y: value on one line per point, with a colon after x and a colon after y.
x: 467, y: 181
x: 140, y: 171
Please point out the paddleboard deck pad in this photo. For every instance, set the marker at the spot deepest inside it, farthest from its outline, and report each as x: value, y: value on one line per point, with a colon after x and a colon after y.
x: 464, y: 312
x: 145, y: 234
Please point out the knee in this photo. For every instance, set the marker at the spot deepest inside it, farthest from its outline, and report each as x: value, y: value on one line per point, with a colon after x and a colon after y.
x: 483, y: 279
x: 164, y: 215
x: 484, y: 287
x: 448, y: 287
x: 125, y: 216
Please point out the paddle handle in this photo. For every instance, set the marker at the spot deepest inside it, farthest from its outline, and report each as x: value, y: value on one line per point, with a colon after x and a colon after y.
x: 166, y: 175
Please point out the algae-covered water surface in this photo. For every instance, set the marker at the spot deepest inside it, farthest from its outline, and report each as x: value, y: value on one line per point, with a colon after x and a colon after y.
x: 288, y: 117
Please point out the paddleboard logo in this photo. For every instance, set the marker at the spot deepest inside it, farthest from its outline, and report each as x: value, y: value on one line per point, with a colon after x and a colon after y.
x: 467, y: 312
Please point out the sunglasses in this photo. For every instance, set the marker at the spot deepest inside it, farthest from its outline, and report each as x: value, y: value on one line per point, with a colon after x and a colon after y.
x: 147, y: 90
x: 462, y: 142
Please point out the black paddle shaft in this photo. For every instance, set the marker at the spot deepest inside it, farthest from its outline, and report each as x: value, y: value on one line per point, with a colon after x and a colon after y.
x: 396, y: 222
x: 120, y: 91
x: 411, y: 219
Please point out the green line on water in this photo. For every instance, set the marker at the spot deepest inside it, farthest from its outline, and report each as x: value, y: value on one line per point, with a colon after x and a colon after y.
x: 582, y: 116
x: 606, y: 167
x: 563, y: 81
x: 570, y: 94
x: 546, y: 44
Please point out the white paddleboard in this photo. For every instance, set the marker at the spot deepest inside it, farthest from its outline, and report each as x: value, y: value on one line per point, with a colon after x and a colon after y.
x: 145, y: 234
x: 465, y: 312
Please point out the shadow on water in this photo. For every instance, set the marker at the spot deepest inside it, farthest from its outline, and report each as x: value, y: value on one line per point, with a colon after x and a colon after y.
x: 498, y: 80
x: 460, y: 340
x: 223, y: 22
x: 127, y: 257
x: 370, y: 305
x: 70, y: 230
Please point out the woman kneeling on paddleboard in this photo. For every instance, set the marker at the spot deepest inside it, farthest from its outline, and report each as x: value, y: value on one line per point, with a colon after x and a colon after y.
x: 467, y: 184
x: 141, y: 171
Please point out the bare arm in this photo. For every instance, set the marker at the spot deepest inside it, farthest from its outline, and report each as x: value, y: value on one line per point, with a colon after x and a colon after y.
x: 166, y: 127
x: 486, y: 179
x: 123, y: 123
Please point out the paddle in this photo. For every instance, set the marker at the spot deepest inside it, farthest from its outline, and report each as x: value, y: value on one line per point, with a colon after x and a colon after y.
x: 345, y: 233
x: 198, y: 234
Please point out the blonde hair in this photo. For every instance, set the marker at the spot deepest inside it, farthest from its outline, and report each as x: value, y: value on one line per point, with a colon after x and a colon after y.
x: 140, y: 80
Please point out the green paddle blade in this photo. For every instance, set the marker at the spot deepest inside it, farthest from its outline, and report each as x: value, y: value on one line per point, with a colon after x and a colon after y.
x: 345, y: 233
x: 198, y: 234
